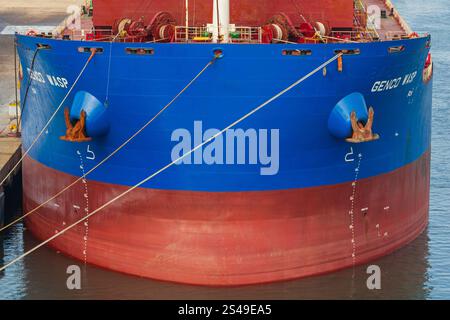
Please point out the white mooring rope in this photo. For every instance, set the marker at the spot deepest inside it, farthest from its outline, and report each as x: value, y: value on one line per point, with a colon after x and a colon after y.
x: 114, y: 152
x: 109, y: 68
x: 319, y: 68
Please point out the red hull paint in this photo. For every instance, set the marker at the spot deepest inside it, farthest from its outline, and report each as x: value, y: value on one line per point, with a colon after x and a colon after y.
x: 231, y: 238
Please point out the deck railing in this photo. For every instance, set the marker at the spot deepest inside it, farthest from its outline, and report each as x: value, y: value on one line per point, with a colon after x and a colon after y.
x: 238, y: 34
x: 246, y: 35
x: 355, y: 36
x: 192, y: 34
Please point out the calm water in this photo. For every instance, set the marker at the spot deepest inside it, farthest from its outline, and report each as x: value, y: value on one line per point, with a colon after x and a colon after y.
x: 419, y: 271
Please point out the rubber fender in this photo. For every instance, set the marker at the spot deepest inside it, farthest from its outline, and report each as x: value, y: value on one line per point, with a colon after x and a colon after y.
x: 97, y: 120
x: 339, y: 123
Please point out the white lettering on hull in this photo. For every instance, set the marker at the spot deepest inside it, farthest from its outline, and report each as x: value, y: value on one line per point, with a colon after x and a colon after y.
x: 55, y: 81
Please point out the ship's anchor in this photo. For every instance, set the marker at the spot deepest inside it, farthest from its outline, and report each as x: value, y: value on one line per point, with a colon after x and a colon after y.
x: 75, y: 132
x: 361, y: 132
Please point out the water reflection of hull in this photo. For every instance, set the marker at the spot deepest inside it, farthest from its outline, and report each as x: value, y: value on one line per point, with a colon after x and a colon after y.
x: 11, y: 205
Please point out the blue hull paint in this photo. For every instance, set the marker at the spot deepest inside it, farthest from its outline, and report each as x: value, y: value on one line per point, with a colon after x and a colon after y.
x: 247, y: 75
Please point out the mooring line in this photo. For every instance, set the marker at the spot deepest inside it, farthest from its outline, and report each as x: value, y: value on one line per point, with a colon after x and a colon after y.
x: 50, y: 120
x: 281, y: 93
x: 109, y: 68
x: 115, y: 151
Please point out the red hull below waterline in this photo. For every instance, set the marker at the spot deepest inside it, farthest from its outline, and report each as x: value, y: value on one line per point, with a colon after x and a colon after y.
x: 235, y: 238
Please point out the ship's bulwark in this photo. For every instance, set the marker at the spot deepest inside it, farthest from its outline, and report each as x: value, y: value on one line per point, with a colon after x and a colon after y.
x: 330, y: 205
